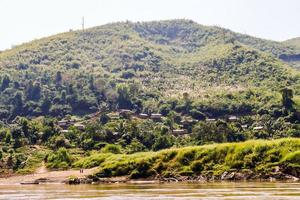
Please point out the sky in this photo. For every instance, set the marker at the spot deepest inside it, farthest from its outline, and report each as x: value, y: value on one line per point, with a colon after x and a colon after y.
x: 25, y: 20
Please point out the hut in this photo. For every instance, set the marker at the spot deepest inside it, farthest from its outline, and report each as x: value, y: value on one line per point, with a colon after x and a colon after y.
x: 66, y: 123
x: 179, y: 131
x: 80, y: 126
x: 125, y: 111
x: 233, y: 118
x: 114, y: 116
x: 156, y: 116
x: 244, y: 126
x: 63, y: 124
x: 257, y: 128
x: 188, y: 121
x: 143, y: 116
x: 64, y: 131
x: 210, y: 120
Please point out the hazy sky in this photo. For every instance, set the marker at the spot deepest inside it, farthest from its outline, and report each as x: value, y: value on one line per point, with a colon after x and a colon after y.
x: 25, y: 20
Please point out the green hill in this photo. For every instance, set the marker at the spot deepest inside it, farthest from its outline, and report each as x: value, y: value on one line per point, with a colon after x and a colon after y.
x: 294, y: 42
x: 142, y: 66
x: 292, y: 58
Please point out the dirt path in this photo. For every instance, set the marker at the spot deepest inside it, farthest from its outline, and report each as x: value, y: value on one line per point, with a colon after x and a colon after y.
x: 51, y: 176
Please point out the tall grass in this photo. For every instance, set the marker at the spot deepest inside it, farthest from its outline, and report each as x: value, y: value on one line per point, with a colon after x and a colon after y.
x: 259, y: 156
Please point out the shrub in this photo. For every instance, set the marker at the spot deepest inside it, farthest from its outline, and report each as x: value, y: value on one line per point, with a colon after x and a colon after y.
x: 162, y: 142
x: 292, y: 158
x: 60, y: 159
x: 135, y: 146
x: 91, y: 161
x: 169, y: 155
x: 111, y: 148
x: 128, y: 74
x: 197, y: 166
x: 142, y: 169
x: 185, y: 157
x: 186, y: 171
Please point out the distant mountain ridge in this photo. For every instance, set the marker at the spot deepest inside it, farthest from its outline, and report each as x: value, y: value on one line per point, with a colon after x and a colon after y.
x: 295, y: 42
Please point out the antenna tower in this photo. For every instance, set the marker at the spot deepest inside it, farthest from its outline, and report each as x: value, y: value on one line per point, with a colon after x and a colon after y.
x: 82, y: 24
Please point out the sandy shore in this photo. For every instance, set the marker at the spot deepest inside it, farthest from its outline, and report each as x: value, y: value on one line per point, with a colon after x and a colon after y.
x: 50, y: 176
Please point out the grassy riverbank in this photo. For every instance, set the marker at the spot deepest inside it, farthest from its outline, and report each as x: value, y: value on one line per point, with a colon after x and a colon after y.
x: 257, y: 157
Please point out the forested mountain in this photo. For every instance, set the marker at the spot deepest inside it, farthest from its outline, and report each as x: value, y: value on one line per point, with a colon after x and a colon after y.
x: 87, y: 96
x: 144, y: 67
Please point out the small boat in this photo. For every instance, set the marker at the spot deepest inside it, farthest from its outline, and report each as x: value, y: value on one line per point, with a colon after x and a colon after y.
x: 29, y: 183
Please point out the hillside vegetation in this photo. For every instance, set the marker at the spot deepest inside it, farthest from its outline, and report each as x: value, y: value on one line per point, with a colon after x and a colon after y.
x: 253, y: 158
x: 292, y: 58
x: 76, y: 72
x: 101, y: 96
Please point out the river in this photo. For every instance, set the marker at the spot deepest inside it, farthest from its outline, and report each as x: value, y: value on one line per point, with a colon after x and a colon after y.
x: 143, y: 191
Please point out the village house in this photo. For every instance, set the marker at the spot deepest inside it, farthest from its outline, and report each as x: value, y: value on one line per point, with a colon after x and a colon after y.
x: 64, y: 131
x: 125, y: 111
x: 258, y: 128
x: 210, y: 120
x: 80, y: 127
x: 188, y: 121
x: 156, y: 116
x: 179, y: 132
x: 62, y: 122
x: 244, y: 126
x: 114, y: 116
x: 143, y: 116
x: 233, y: 118
x: 116, y: 133
x: 65, y: 124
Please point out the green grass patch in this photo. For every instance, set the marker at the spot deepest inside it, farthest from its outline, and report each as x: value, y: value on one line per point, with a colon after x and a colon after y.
x: 255, y: 155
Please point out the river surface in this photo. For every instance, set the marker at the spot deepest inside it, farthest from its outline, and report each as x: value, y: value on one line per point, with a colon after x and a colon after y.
x: 143, y: 191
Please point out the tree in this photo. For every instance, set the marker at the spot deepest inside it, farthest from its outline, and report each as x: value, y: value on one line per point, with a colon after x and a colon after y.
x: 45, y: 106
x: 205, y: 132
x: 124, y: 100
x: 287, y: 95
x: 5, y: 82
x: 18, y: 103
x: 36, y: 92
x: 33, y: 91
x: 187, y: 102
x: 135, y: 146
x: 59, y: 159
x: 162, y: 142
x: 63, y: 97
x: 91, y: 83
x: 8, y: 138
x: 58, y: 78
x: 29, y: 89
x: 60, y: 141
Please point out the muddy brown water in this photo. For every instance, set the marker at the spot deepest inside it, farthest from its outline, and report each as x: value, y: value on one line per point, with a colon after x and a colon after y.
x: 146, y: 191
